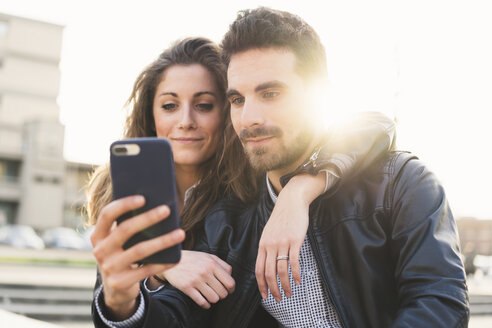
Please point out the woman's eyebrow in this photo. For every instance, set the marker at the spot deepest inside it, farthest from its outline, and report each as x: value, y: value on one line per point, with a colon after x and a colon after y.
x: 168, y: 94
x: 201, y: 93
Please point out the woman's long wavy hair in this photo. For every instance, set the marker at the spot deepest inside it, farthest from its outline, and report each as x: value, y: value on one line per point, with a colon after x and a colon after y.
x: 226, y: 174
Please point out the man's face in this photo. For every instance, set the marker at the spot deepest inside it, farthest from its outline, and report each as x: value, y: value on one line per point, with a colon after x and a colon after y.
x: 269, y: 108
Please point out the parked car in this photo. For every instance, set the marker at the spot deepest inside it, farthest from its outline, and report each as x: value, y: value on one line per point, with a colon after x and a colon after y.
x: 21, y: 236
x: 86, y: 235
x: 483, y: 263
x: 63, y: 238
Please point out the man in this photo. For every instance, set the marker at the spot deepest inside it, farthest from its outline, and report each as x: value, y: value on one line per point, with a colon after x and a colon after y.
x: 383, y: 251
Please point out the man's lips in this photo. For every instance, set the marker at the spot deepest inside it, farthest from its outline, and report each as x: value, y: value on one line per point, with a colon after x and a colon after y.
x: 259, y: 141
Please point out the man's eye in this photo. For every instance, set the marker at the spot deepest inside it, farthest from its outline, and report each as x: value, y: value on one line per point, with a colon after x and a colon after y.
x: 237, y: 101
x: 169, y: 106
x: 271, y: 94
x: 206, y: 107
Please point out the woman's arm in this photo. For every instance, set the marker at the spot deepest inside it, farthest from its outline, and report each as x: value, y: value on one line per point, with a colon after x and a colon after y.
x: 120, y: 276
x: 204, y: 277
x: 346, y: 151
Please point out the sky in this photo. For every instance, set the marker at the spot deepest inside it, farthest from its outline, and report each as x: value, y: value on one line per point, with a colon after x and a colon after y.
x: 426, y: 63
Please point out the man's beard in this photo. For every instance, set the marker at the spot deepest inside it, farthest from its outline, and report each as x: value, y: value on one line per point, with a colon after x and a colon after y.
x: 264, y: 159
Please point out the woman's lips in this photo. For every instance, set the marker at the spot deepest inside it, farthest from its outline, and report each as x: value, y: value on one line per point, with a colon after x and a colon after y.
x: 187, y: 140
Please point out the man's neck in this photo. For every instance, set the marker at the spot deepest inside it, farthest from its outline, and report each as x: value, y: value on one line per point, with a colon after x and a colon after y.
x: 275, y: 175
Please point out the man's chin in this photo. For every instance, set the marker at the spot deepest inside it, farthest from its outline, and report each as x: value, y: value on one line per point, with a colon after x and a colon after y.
x: 263, y: 162
x: 257, y: 160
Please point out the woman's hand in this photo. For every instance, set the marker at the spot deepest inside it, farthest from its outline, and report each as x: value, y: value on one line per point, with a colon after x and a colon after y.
x: 284, y: 234
x: 204, y: 277
x: 120, y: 276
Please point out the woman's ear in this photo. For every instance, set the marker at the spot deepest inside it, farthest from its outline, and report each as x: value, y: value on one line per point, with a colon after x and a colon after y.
x: 152, y: 126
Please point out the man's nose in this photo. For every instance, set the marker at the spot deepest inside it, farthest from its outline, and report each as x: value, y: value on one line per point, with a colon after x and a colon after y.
x: 252, y: 114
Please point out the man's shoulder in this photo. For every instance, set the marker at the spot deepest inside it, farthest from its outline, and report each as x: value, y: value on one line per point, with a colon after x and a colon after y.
x: 403, y: 166
x: 398, y: 159
x: 391, y: 163
x: 394, y: 169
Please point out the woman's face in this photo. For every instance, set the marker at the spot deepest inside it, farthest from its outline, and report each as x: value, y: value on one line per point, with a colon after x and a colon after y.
x: 187, y: 111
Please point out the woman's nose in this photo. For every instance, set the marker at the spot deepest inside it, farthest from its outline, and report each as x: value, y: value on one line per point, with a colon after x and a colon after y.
x: 187, y: 120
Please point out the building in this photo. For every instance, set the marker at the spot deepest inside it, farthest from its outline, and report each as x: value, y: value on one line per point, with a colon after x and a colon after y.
x: 37, y: 186
x: 475, y: 235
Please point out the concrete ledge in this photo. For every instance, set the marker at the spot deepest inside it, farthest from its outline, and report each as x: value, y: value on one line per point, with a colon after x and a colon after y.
x: 9, y: 319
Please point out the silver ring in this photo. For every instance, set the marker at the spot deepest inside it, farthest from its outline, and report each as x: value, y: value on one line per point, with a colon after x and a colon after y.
x: 282, y: 257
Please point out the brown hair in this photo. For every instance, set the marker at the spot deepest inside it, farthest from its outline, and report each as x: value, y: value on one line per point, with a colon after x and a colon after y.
x: 226, y: 174
x: 268, y: 28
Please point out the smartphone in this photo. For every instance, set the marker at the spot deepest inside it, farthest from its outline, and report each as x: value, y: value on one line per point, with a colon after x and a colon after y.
x: 145, y: 166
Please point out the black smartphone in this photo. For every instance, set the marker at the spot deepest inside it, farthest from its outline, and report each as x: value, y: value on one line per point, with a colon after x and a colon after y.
x: 145, y: 166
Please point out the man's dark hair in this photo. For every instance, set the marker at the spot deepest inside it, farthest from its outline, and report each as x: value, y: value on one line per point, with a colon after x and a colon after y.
x: 269, y: 28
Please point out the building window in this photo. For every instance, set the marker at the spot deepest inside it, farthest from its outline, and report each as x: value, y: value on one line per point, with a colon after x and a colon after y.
x: 47, y: 179
x: 8, y: 212
x: 9, y: 170
x: 4, y: 30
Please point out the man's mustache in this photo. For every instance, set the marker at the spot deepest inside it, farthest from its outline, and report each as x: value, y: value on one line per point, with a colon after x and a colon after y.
x: 272, y: 131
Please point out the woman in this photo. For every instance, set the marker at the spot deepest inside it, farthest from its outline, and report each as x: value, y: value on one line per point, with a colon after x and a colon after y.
x: 181, y: 96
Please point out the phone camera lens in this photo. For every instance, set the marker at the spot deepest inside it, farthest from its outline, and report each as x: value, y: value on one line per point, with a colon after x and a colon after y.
x: 119, y: 150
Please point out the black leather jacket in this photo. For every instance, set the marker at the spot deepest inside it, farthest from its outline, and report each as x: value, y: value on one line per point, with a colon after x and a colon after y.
x: 386, y: 246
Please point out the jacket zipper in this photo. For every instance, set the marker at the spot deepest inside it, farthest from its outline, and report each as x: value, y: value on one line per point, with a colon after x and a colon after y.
x: 317, y: 257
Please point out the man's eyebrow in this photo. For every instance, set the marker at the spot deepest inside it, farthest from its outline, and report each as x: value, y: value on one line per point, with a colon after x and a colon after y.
x: 261, y: 87
x: 270, y: 84
x: 231, y: 92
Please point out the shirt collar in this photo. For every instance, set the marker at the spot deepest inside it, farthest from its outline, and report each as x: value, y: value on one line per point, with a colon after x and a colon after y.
x: 188, y: 192
x: 272, y: 193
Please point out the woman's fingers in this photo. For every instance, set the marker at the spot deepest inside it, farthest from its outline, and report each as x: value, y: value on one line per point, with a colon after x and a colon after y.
x: 213, y: 281
x: 218, y: 288
x: 123, y: 260
x: 146, y: 248
x: 223, y: 282
x: 128, y: 228
x: 209, y: 293
x: 197, y: 297
x: 145, y: 271
x: 222, y: 263
x: 204, y: 277
x: 111, y: 212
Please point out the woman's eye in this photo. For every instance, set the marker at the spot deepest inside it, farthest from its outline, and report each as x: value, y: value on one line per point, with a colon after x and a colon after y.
x: 169, y: 106
x: 206, y: 106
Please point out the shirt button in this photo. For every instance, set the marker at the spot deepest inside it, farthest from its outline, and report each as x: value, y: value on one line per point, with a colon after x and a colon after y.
x: 320, y: 322
x: 311, y: 273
